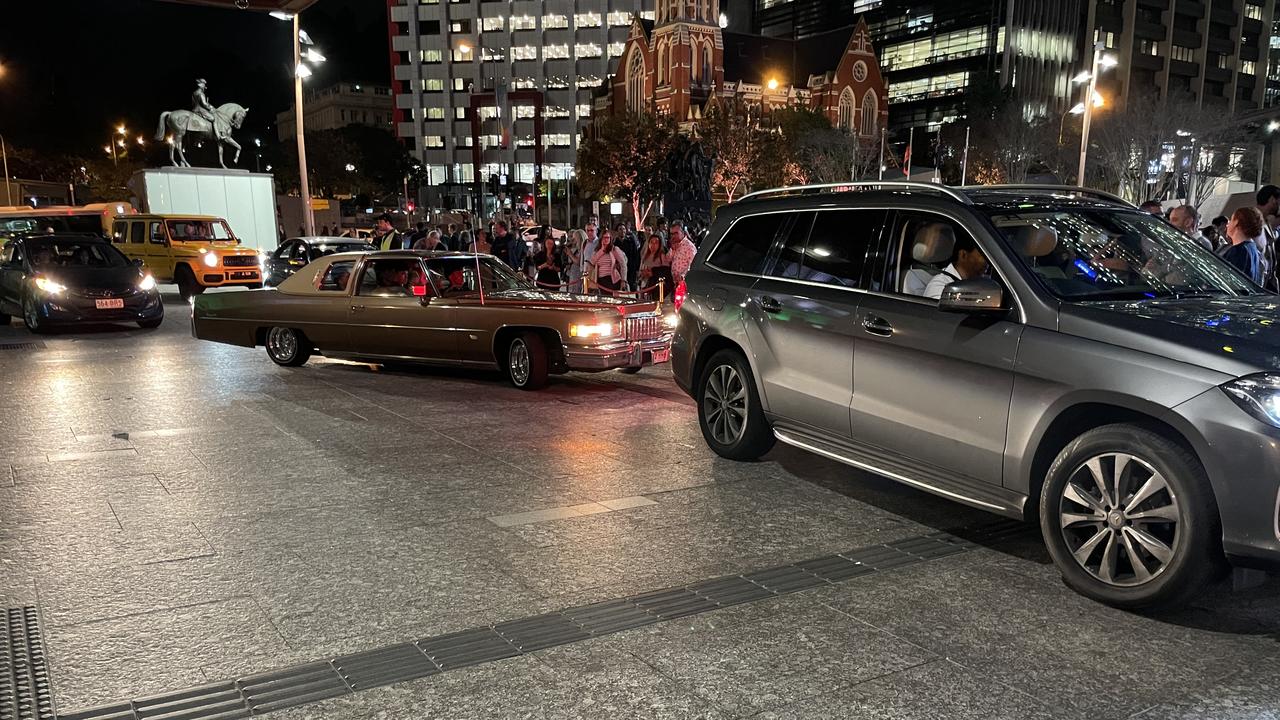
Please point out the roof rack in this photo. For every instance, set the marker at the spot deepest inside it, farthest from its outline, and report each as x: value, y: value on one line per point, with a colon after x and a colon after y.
x: 1070, y: 189
x: 865, y: 185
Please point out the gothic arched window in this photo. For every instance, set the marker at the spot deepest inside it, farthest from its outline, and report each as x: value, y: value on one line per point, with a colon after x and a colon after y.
x: 845, y: 121
x: 663, y: 72
x: 635, y: 81
x: 870, y: 113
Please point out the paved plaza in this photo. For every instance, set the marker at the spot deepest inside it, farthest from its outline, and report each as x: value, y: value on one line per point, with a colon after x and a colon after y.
x: 435, y: 544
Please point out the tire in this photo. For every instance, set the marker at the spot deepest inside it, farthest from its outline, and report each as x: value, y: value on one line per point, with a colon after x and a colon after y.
x: 1159, y: 552
x: 31, y: 318
x: 5, y: 320
x: 151, y: 323
x: 631, y: 370
x: 287, y: 347
x: 187, y: 285
x: 727, y: 392
x: 527, y: 364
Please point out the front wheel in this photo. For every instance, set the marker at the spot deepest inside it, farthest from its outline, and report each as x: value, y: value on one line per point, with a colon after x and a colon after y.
x: 151, y: 323
x: 729, y: 410
x: 287, y: 347
x: 31, y: 318
x: 527, y: 363
x: 1130, y: 519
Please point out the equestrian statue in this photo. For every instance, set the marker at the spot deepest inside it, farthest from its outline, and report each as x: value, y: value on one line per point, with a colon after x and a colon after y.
x: 202, y: 120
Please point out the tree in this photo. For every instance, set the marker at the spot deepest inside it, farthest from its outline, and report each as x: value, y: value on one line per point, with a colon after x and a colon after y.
x: 830, y: 155
x: 733, y: 138
x: 627, y: 158
x: 780, y: 161
x: 380, y: 163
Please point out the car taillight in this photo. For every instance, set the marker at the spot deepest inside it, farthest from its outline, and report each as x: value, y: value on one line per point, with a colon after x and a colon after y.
x: 679, y: 296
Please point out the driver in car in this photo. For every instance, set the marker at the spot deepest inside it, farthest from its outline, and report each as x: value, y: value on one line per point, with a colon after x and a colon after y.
x: 967, y: 262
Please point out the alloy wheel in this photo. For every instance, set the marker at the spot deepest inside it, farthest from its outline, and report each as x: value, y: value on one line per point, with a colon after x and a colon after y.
x: 282, y: 344
x: 518, y: 362
x: 1120, y: 519
x: 724, y: 404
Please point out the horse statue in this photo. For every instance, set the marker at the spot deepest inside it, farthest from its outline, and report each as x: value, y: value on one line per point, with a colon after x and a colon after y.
x: 175, y: 124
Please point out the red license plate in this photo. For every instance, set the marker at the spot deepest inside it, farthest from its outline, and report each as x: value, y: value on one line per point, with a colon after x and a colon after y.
x: 661, y: 356
x: 110, y: 304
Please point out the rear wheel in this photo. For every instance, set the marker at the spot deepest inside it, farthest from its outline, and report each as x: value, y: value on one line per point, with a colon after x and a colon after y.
x: 5, y: 320
x: 527, y: 362
x: 287, y: 347
x: 729, y: 410
x: 1130, y: 520
x: 187, y: 285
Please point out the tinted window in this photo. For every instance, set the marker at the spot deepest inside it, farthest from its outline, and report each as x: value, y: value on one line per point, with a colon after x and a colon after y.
x: 790, y: 261
x: 118, y: 231
x: 746, y: 245
x: 136, y: 231
x: 830, y: 247
x: 50, y: 254
x: 336, y: 277
x: 157, y: 233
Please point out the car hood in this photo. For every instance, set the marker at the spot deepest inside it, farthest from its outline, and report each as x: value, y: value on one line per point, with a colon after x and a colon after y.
x: 543, y: 299
x: 95, y: 278
x: 1233, y: 335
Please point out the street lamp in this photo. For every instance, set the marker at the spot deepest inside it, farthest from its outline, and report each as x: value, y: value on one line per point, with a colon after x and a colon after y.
x: 1092, y: 99
x: 300, y: 72
x: 773, y: 83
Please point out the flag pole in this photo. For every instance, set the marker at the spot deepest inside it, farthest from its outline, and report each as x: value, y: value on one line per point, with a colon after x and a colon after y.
x: 882, y: 134
x: 911, y: 141
x: 964, y: 161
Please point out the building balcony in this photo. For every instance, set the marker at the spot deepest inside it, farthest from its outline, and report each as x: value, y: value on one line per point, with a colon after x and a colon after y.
x: 401, y: 13
x: 1188, y: 39
x: 1185, y: 69
x: 1150, y: 31
x: 1148, y: 62
x: 1189, y: 7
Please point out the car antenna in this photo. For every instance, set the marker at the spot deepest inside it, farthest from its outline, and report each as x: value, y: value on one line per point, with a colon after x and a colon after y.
x: 479, y: 280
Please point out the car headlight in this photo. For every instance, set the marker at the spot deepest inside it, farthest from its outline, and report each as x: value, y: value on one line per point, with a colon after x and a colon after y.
x: 598, y: 330
x: 49, y: 286
x: 672, y: 321
x: 211, y: 260
x: 1258, y: 395
x: 147, y: 283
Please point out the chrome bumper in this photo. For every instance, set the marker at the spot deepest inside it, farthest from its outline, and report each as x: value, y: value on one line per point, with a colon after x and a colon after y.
x: 617, y: 355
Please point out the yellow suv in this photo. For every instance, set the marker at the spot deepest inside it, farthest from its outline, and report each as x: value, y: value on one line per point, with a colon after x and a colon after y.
x: 192, y: 251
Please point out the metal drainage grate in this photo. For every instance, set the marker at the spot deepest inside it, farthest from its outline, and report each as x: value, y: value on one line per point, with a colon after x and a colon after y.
x: 304, y: 684
x: 24, y: 678
x: 22, y: 346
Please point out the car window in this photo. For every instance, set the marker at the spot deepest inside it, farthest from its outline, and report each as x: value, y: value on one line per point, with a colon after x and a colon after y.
x: 136, y: 231
x: 157, y: 233
x: 119, y: 231
x: 391, y: 278
x: 74, y: 253
x: 336, y: 277
x: 746, y: 245
x: 790, y: 260
x: 926, y: 247
x: 10, y: 254
x: 298, y: 251
x: 830, y: 247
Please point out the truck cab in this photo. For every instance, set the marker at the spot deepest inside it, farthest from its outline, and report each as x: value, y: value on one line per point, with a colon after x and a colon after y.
x: 194, y: 252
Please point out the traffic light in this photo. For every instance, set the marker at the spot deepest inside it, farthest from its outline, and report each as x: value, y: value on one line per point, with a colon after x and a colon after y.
x: 528, y: 200
x: 408, y: 206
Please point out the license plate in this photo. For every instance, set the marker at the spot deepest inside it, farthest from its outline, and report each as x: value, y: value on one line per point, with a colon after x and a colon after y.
x: 661, y: 356
x: 244, y: 275
x: 111, y: 304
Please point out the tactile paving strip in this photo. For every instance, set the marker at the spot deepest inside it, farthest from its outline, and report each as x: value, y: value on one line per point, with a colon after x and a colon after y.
x: 304, y: 684
x: 24, y: 677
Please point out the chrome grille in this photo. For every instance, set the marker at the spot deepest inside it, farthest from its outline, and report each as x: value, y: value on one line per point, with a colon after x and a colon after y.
x: 643, y: 327
x: 103, y: 292
x: 240, y: 261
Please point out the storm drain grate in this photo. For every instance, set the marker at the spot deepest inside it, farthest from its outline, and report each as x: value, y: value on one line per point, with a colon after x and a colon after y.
x: 22, y: 346
x: 24, y: 677
x: 305, y: 684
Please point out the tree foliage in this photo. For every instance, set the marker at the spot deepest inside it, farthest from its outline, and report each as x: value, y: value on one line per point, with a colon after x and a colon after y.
x: 627, y: 158
x: 734, y: 139
x: 381, y: 163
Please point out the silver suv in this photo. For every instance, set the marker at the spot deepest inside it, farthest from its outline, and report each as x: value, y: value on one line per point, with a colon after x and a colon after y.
x: 1083, y: 364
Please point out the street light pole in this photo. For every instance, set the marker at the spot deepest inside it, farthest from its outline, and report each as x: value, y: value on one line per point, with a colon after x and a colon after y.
x: 1090, y: 90
x: 304, y: 187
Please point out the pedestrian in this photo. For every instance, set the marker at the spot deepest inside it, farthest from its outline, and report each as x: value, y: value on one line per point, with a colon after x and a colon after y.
x: 654, y: 267
x: 430, y: 242
x: 1218, y: 232
x: 1268, y: 200
x: 630, y: 246
x: 589, y: 247
x: 450, y: 238
x: 463, y: 240
x: 547, y: 261
x: 681, y: 254
x: 610, y: 264
x: 1243, y: 228
x: 385, y: 236
x: 324, y: 231
x: 481, y: 244
x: 417, y: 234
x: 501, y: 241
x: 574, y: 262
x: 1187, y: 219
x: 1153, y: 207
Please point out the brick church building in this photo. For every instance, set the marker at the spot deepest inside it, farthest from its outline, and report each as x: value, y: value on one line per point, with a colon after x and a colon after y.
x: 679, y: 62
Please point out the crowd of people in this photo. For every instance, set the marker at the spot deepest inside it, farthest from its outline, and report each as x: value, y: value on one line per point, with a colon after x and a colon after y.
x: 1246, y: 239
x: 593, y: 258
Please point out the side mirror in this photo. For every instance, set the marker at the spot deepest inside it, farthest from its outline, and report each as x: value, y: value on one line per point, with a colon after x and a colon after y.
x: 137, y: 262
x: 980, y: 295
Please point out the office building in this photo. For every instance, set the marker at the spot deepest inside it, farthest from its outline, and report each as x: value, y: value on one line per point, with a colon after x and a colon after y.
x: 504, y: 59
x: 339, y: 105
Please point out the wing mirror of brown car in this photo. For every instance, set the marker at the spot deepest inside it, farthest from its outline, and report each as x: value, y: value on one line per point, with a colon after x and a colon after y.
x: 979, y: 295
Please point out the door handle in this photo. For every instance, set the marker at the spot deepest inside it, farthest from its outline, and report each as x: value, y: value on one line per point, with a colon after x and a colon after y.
x: 769, y: 305
x: 876, y: 325
x: 357, y: 308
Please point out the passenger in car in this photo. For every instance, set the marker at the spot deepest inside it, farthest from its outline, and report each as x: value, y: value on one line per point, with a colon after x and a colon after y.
x: 967, y: 262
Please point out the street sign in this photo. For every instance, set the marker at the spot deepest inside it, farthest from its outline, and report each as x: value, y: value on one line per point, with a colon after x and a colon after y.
x: 319, y: 204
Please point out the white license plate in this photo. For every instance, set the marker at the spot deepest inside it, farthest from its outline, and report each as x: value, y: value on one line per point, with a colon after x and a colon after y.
x: 111, y: 304
x: 661, y: 356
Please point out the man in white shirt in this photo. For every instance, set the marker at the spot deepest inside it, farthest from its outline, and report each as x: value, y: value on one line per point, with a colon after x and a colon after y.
x: 682, y: 252
x: 967, y: 262
x: 1187, y: 219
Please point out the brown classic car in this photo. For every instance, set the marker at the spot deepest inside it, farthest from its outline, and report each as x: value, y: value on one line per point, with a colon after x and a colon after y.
x: 440, y: 308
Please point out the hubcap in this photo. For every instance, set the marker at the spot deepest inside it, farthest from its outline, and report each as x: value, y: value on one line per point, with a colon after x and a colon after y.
x: 1120, y: 519
x: 724, y: 404
x: 282, y: 344
x: 518, y: 361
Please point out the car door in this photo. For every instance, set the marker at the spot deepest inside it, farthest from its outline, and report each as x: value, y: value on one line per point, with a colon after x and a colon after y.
x: 386, y: 318
x: 801, y: 313
x: 153, y: 246
x: 929, y: 385
x: 12, y: 274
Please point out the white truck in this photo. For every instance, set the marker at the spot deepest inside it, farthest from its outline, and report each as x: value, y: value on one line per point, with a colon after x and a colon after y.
x: 247, y: 201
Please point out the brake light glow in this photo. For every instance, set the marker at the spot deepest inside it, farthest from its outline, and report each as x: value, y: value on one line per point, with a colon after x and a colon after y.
x: 680, y: 294
x: 420, y: 290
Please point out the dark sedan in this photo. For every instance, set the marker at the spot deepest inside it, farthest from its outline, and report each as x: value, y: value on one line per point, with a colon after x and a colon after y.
x: 296, y: 253
x: 66, y: 279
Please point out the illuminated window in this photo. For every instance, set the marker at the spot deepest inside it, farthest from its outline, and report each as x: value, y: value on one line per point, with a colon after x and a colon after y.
x: 646, y: 15
x: 589, y: 81
x: 1248, y: 67
x: 432, y: 85
x: 522, y: 83
x: 616, y: 48
x: 1148, y: 47
x: 557, y: 83
x: 587, y: 20
x: 524, y: 22
x: 435, y: 113
x: 433, y: 141
x: 524, y: 52
x: 460, y: 113
x: 587, y: 50
x: 460, y: 83
x: 431, y: 56
x: 555, y: 111
x: 557, y: 140
x: 584, y: 111
x: 550, y: 22
x: 618, y: 18
x: 523, y: 112
x: 1252, y: 11
x: 492, y: 55
x: 635, y: 82
x: 555, y: 52
x: 493, y: 23
x: 921, y: 88
x: 488, y: 112
x: 1185, y: 54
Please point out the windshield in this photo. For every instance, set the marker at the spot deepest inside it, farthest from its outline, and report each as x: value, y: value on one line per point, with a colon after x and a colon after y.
x: 199, y: 231
x: 13, y: 226
x: 457, y: 275
x: 1096, y: 254
x: 61, y: 253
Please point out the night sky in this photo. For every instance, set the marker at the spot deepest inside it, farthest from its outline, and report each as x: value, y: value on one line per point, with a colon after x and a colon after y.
x: 74, y: 69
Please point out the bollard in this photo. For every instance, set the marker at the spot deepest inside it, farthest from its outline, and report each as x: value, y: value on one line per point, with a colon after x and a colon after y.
x: 662, y: 287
